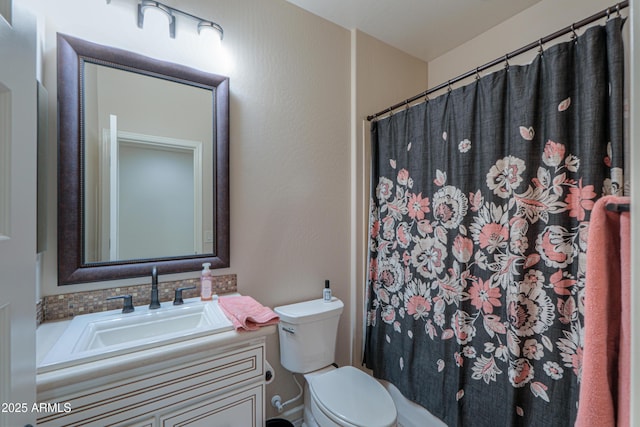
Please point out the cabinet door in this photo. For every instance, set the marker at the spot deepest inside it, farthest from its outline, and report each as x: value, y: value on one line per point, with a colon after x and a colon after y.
x: 243, y: 408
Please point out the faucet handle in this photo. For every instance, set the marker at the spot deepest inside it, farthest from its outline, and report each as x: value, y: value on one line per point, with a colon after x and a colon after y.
x: 127, y: 307
x: 177, y: 299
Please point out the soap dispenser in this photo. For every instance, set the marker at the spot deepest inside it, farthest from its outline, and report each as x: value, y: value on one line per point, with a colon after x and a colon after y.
x: 205, y: 283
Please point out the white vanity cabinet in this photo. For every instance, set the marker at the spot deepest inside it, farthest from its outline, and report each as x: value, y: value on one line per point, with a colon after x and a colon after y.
x: 213, y: 386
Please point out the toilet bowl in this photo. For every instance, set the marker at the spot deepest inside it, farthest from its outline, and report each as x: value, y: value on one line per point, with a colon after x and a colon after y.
x: 334, y: 397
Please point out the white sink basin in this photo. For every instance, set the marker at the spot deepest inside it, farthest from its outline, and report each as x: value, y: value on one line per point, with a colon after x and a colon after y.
x: 94, y: 336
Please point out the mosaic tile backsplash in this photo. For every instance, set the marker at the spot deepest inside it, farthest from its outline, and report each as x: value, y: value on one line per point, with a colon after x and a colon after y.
x: 64, y: 306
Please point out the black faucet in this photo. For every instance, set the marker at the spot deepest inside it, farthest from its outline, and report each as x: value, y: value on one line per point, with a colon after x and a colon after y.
x: 154, y: 289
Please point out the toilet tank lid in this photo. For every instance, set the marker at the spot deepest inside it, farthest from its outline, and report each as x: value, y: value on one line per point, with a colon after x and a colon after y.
x: 309, y: 311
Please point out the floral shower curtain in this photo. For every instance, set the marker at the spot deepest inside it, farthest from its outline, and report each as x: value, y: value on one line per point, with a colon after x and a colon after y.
x: 478, y: 228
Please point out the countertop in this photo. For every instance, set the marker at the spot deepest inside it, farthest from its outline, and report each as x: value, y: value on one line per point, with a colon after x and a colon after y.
x: 49, y: 332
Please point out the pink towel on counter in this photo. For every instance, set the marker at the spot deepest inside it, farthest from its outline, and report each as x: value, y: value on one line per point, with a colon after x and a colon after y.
x: 606, y: 368
x: 247, y: 313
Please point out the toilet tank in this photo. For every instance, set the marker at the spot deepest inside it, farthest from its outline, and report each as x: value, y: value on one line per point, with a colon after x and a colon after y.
x: 308, y: 332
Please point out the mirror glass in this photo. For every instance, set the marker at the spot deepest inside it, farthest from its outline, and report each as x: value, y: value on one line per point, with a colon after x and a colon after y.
x: 148, y: 166
x: 143, y: 155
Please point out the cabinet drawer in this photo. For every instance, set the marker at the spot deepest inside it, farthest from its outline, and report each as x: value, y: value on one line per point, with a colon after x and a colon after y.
x: 242, y: 408
x: 151, y: 393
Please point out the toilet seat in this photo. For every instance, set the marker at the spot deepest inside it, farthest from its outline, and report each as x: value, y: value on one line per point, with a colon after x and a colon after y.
x: 349, y: 397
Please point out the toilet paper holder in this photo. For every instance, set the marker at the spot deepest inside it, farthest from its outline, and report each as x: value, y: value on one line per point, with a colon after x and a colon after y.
x: 269, y: 373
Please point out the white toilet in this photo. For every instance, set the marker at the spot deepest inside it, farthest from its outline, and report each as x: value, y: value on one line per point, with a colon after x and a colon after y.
x: 343, y: 397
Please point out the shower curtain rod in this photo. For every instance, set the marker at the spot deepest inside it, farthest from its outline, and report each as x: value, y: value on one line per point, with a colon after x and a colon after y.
x: 570, y: 29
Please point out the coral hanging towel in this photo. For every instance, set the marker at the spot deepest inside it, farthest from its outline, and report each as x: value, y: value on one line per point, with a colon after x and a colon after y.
x: 247, y: 313
x: 605, y: 386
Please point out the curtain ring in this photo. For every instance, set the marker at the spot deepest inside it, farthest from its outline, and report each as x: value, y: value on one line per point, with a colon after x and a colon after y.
x: 618, y: 10
x: 406, y: 104
x: 506, y: 62
x: 574, y: 36
x: 541, y: 48
x: 608, y: 14
x: 477, y: 73
x: 449, y: 86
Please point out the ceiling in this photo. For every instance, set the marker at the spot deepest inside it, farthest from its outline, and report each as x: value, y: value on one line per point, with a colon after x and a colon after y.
x: 423, y: 28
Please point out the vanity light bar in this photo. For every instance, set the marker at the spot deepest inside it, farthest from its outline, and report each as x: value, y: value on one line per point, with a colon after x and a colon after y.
x: 146, y: 4
x: 171, y: 12
x: 212, y: 25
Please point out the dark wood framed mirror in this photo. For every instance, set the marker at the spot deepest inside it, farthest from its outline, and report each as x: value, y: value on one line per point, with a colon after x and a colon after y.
x: 116, y: 166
